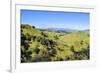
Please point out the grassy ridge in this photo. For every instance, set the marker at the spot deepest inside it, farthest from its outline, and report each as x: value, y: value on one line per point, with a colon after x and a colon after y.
x: 40, y: 46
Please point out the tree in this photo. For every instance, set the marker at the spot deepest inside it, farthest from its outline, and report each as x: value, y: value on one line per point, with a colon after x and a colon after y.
x: 81, y: 42
x: 52, y: 52
x: 36, y: 50
x: 44, y: 34
x: 72, y: 48
x: 56, y: 37
x: 33, y: 26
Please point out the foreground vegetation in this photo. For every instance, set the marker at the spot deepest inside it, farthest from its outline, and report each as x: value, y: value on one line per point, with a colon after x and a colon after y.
x: 42, y: 45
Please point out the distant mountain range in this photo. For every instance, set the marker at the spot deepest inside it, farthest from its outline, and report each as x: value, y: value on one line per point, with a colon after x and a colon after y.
x: 65, y: 30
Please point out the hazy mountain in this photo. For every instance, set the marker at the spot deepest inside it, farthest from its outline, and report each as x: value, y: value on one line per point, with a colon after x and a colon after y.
x: 63, y: 29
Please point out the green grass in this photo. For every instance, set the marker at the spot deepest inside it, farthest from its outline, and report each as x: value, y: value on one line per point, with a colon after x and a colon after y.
x: 60, y: 42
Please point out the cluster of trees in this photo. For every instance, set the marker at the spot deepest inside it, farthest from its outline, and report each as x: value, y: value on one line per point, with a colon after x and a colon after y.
x: 25, y: 53
x: 40, y: 54
x: 83, y: 54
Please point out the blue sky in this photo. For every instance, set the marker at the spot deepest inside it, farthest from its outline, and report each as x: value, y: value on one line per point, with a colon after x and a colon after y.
x: 50, y: 19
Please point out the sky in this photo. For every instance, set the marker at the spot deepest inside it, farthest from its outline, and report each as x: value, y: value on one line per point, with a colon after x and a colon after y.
x: 53, y: 19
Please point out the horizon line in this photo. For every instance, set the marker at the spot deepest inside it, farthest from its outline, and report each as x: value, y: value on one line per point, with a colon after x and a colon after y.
x: 56, y: 27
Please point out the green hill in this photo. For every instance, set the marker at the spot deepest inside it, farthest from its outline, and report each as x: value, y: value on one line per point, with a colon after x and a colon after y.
x: 43, y: 45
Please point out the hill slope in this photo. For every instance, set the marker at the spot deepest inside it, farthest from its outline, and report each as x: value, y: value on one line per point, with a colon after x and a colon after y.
x: 40, y: 46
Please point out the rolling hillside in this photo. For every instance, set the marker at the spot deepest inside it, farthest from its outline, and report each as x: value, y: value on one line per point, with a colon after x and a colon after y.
x: 39, y: 45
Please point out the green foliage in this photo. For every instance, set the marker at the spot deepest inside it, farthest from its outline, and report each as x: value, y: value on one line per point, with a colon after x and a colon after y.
x: 44, y: 45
